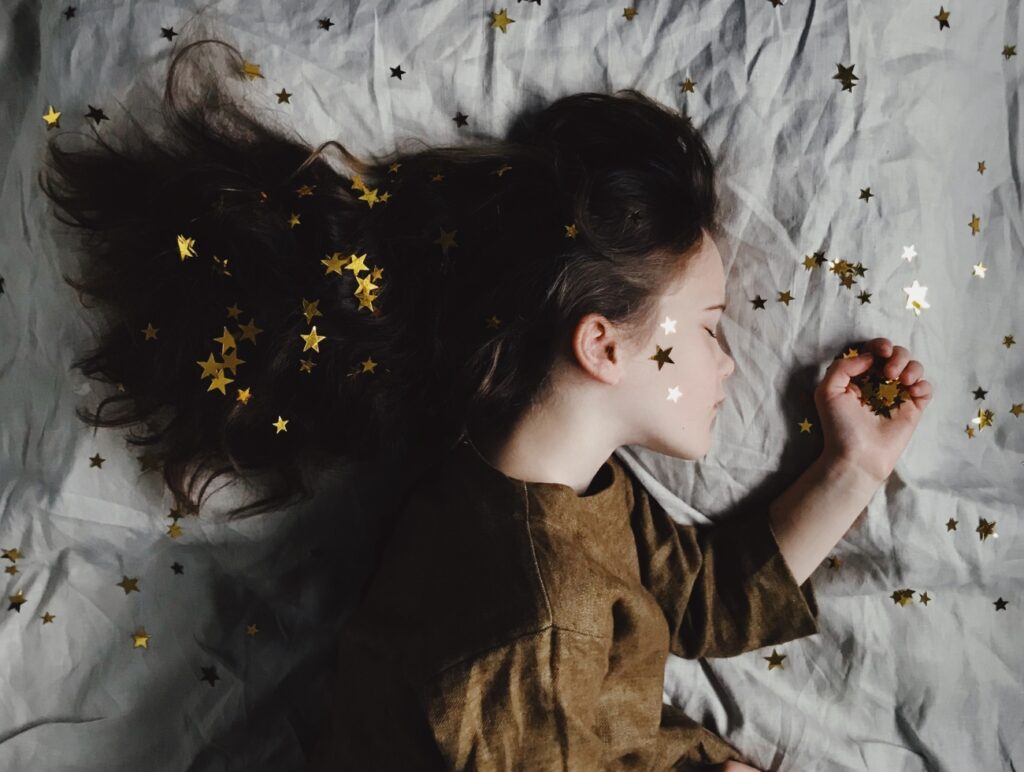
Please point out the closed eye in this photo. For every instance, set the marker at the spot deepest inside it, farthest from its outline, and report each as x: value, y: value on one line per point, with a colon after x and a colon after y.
x: 711, y: 334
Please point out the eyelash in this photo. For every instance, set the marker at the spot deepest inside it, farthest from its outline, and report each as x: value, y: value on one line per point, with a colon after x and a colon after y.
x: 711, y: 334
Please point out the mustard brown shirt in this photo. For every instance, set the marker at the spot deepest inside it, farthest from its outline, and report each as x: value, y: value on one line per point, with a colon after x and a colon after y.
x: 516, y: 625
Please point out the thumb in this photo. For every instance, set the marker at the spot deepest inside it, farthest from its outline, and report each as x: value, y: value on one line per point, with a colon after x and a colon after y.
x: 839, y: 373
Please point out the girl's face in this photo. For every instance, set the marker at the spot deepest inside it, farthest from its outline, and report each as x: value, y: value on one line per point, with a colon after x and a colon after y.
x: 669, y: 389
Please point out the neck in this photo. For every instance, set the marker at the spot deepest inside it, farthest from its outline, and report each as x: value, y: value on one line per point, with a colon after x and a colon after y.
x: 541, y: 449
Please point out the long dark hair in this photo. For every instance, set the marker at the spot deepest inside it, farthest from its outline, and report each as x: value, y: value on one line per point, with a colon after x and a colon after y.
x: 443, y: 282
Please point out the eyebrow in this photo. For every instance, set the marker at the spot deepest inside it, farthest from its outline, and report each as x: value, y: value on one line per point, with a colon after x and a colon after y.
x: 712, y: 308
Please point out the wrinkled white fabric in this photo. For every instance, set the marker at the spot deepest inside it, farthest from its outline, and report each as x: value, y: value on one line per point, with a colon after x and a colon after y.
x: 883, y: 687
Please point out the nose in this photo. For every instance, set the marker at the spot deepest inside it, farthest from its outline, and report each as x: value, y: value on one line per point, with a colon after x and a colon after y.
x: 730, y: 366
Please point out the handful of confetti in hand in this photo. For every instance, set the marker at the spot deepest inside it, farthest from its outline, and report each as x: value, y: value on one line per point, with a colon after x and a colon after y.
x: 881, y: 394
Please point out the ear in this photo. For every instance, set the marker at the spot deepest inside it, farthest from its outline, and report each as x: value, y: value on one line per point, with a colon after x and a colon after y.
x: 598, y: 348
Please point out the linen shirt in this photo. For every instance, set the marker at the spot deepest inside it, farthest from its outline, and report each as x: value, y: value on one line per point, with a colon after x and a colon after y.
x: 516, y: 625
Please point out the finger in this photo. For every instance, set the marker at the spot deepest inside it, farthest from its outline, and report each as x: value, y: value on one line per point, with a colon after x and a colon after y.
x: 880, y: 346
x: 921, y: 390
x: 839, y: 373
x: 912, y: 373
x: 899, y: 359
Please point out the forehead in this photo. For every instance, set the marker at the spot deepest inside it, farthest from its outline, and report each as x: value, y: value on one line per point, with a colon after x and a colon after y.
x: 703, y: 277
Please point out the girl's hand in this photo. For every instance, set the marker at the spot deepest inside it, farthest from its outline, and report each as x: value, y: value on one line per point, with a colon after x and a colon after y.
x: 853, y: 433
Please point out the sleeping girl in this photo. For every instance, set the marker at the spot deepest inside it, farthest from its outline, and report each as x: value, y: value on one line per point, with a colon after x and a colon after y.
x: 492, y: 319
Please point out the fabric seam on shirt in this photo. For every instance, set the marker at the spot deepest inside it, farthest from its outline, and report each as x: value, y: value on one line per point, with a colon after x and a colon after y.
x: 533, y: 554
x: 540, y: 578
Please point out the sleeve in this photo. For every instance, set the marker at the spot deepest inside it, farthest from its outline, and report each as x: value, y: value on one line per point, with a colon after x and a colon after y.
x: 527, y: 704
x: 725, y: 589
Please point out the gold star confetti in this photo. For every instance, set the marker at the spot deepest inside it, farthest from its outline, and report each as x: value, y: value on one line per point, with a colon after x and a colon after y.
x: 186, y: 247
x: 12, y: 554
x: 128, y: 585
x: 251, y: 71
x: 210, y: 367
x: 281, y: 424
x: 17, y: 600
x: 220, y: 382
x: 805, y: 426
x: 243, y: 396
x: 52, y: 118
x: 96, y: 460
x: 846, y: 76
x: 501, y: 20
x: 986, y: 529
x: 661, y: 356
x: 251, y: 630
x: 629, y: 13
x: 210, y: 674
x: 983, y: 419
x: 334, y: 263
x: 310, y: 310
x: 879, y: 393
x: 174, y: 530
x: 140, y: 639
x: 312, y: 340
x: 48, y: 618
x: 775, y: 660
x: 846, y: 271
x: 226, y: 341
x: 446, y: 240
x: 150, y: 331
x: 902, y: 597
x: 357, y: 264
x: 232, y: 361
x: 250, y: 330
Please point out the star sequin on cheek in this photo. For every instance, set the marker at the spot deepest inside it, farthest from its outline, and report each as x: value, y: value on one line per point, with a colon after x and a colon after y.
x: 674, y: 394
x: 669, y: 325
x: 662, y: 356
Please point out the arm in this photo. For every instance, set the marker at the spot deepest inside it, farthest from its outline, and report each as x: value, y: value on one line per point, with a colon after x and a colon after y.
x: 724, y: 589
x: 814, y: 513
